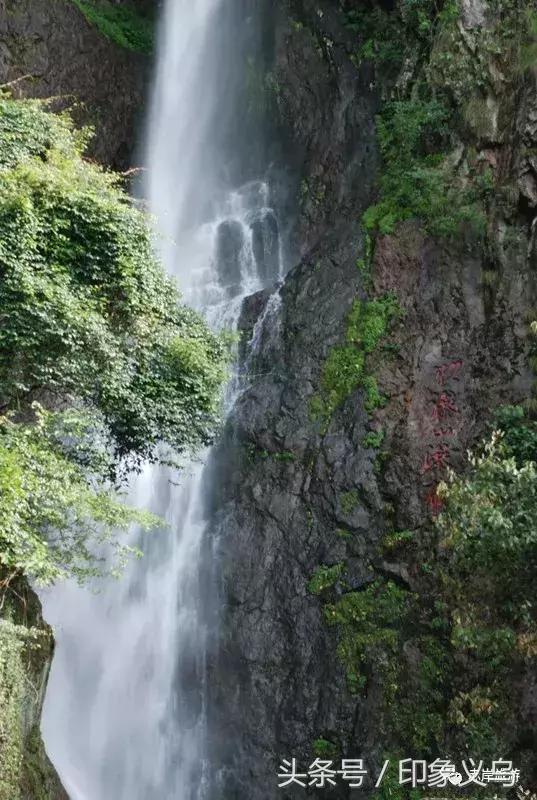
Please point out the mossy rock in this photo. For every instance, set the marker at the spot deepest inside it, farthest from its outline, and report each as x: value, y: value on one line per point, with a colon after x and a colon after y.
x: 39, y: 780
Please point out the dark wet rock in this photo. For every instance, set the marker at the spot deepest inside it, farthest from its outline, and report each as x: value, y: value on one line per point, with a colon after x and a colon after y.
x: 21, y: 608
x: 229, y: 245
x: 265, y: 243
x: 276, y: 684
x: 65, y: 58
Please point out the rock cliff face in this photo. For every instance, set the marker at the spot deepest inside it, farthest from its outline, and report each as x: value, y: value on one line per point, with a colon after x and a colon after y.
x: 50, y: 50
x: 276, y: 681
x: 303, y: 492
x: 27, y: 651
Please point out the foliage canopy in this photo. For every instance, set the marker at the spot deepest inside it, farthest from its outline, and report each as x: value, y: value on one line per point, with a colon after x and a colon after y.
x: 91, y: 323
x: 55, y: 514
x: 87, y: 311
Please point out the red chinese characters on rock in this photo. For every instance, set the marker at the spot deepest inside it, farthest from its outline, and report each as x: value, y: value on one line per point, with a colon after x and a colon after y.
x: 434, y: 502
x: 442, y: 433
x: 444, y: 407
x: 438, y: 459
x: 447, y: 372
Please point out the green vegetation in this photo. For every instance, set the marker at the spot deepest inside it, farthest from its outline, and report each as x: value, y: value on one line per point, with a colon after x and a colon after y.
x: 284, y: 455
x: 324, y: 748
x: 344, y: 370
x: 395, y: 539
x: 373, y: 439
x: 124, y: 25
x: 255, y: 452
x: 91, y: 325
x: 312, y: 191
x: 391, y: 788
x: 369, y: 623
x: 418, y: 180
x: 12, y: 679
x: 87, y: 311
x: 324, y: 578
x: 528, y: 50
x: 54, y: 511
x: 18, y: 646
x: 432, y: 70
x: 519, y: 434
x: 38, y: 778
x: 465, y: 69
x: 491, y: 514
x: 385, y: 37
x: 349, y: 501
x: 372, y: 397
x: 488, y: 530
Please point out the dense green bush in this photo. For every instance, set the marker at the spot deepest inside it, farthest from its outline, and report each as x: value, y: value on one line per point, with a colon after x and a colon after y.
x: 27, y: 132
x: 89, y: 321
x: 519, y: 433
x: 369, y: 626
x: 124, y: 25
x: 417, y: 181
x: 490, y: 519
x: 86, y: 309
x: 55, y: 513
x: 12, y: 686
x: 324, y: 578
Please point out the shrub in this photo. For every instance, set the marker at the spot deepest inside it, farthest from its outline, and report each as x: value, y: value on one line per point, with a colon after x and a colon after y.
x: 87, y: 311
x: 324, y: 748
x: 519, y: 433
x: 123, y: 25
x: 373, y: 439
x: 90, y: 323
x: 417, y: 181
x: 324, y: 578
x: 490, y: 517
x: 369, y: 622
x: 55, y: 515
x: 12, y: 680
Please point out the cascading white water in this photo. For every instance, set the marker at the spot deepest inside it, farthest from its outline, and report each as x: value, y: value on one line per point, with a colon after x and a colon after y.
x: 125, y: 708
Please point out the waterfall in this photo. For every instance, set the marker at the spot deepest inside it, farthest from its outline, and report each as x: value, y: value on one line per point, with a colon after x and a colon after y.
x: 124, y: 716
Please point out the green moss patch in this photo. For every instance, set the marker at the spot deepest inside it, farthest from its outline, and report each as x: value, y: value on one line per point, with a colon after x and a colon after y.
x: 344, y: 370
x: 124, y: 25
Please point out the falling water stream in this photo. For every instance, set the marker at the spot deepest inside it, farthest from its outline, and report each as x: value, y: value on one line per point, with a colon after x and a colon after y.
x: 124, y: 716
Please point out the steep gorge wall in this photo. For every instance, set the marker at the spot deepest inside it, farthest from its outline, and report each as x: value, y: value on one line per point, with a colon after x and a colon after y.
x: 276, y: 682
x: 306, y: 490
